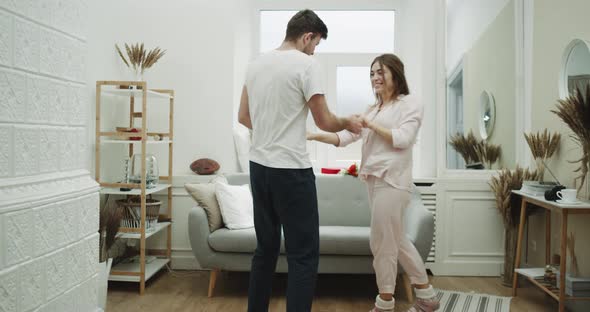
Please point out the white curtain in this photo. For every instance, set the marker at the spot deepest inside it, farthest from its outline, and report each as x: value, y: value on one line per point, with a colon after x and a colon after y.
x: 242, y: 144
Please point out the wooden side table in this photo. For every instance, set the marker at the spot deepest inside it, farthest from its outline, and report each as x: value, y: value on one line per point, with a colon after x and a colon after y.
x: 565, y: 210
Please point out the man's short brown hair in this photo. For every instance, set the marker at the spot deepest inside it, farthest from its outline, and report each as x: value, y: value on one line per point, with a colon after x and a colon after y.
x: 303, y: 22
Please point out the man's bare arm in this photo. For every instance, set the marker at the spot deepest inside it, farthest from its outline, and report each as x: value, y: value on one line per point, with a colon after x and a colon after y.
x: 329, y: 122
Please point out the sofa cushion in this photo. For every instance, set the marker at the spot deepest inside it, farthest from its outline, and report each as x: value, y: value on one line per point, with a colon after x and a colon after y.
x: 334, y: 240
x: 204, y: 195
x: 235, y: 203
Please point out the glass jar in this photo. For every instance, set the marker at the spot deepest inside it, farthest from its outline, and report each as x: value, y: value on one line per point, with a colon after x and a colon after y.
x: 151, y: 170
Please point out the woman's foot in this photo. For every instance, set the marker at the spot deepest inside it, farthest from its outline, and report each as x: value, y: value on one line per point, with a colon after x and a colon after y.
x: 425, y: 305
x: 383, y: 305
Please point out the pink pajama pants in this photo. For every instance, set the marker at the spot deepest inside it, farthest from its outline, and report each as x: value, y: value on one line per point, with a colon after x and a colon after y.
x: 388, y: 240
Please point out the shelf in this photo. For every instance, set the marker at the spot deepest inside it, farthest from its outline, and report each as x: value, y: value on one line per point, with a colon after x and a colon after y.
x: 137, y: 93
x: 548, y: 288
x: 149, y: 142
x: 116, y: 191
x: 135, y: 235
x: 151, y: 268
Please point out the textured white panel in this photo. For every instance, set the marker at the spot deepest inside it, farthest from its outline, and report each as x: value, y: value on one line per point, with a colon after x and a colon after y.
x: 64, y: 303
x: 2, y: 245
x: 12, y: 96
x: 92, y: 253
x: 54, y: 56
x: 49, y: 147
x: 79, y: 105
x: 53, y: 53
x: 9, y: 290
x: 46, y: 220
x: 57, y: 273
x: 79, y: 269
x: 26, y: 146
x: 72, y: 58
x: 26, y: 45
x: 38, y: 109
x: 45, y: 11
x: 89, y: 215
x: 83, y: 155
x: 59, y: 97
x: 6, y: 150
x: 33, y: 284
x: 24, y: 7
x: 45, y: 189
x: 19, y: 236
x: 70, y: 220
x: 69, y: 149
x: 61, y: 232
x: 5, y: 39
x: 87, y: 295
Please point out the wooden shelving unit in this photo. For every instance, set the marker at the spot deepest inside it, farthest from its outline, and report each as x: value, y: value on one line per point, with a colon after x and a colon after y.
x: 141, y: 270
x: 557, y: 293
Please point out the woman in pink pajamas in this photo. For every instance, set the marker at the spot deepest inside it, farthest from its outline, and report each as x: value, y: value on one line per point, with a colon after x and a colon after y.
x: 391, y: 127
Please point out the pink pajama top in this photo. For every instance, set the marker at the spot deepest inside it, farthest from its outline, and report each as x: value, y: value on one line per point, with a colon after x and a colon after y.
x: 380, y: 158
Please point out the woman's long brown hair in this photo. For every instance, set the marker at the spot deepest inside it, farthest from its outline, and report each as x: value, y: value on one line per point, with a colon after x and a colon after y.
x: 395, y: 65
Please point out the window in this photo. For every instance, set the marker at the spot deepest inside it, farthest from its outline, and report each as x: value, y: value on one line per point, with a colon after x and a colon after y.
x: 355, y: 38
x: 373, y: 31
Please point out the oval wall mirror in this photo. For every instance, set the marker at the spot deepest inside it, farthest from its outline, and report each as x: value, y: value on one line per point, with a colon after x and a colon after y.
x: 575, y: 68
x: 487, y: 115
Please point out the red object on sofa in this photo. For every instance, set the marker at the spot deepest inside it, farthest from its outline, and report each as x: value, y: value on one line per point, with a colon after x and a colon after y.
x: 331, y: 170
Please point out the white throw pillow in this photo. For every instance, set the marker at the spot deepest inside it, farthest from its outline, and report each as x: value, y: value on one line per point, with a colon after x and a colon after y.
x: 235, y: 203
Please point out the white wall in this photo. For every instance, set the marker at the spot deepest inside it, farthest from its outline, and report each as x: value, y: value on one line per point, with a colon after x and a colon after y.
x: 199, y: 65
x: 486, y: 67
x: 48, y: 202
x: 417, y: 44
x: 466, y: 20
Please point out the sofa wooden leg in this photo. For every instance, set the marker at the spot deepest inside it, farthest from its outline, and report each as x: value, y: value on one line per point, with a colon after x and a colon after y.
x: 212, y: 279
x: 408, y: 287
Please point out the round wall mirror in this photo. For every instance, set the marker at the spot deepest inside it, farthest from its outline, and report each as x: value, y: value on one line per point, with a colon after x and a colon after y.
x: 575, y: 68
x: 487, y: 114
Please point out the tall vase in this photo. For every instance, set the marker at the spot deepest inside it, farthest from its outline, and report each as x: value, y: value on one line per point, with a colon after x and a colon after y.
x: 104, y: 268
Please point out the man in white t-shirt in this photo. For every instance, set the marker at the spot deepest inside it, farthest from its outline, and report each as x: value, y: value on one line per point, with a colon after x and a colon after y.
x: 281, y: 87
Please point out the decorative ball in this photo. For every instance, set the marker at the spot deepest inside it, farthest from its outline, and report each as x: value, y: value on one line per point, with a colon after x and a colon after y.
x: 204, y: 166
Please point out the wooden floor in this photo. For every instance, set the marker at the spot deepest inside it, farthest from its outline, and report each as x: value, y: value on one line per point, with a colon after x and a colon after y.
x: 187, y: 291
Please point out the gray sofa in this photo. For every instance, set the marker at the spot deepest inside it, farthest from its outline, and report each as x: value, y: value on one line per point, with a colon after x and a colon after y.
x: 344, y: 232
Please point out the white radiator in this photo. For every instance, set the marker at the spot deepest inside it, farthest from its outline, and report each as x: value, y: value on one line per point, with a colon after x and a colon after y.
x: 428, y: 192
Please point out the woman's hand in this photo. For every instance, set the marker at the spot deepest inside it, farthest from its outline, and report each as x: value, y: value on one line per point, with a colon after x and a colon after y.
x: 367, y: 123
x: 310, y: 136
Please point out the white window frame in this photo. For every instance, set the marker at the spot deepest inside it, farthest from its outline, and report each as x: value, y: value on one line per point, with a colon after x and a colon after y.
x: 324, y: 155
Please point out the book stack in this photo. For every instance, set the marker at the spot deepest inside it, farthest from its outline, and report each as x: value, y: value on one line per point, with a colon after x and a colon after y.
x: 576, y: 286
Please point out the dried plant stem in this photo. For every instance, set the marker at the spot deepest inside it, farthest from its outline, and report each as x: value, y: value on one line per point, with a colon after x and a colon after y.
x: 138, y: 57
x: 543, y: 146
x: 574, y: 111
x: 473, y: 150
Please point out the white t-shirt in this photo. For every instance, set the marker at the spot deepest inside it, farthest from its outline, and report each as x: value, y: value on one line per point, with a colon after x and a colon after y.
x: 279, y: 85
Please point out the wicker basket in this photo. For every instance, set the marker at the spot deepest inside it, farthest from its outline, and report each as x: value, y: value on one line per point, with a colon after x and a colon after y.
x: 132, y: 212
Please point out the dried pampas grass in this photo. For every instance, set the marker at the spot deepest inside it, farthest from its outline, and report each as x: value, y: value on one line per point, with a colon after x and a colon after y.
x: 138, y: 57
x: 543, y: 146
x: 466, y: 146
x: 473, y: 150
x: 110, y: 216
x: 504, y: 183
x: 574, y: 111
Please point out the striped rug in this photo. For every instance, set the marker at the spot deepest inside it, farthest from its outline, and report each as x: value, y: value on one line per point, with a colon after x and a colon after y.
x: 453, y: 301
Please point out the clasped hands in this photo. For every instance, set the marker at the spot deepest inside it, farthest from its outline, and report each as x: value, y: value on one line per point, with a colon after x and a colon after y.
x: 357, y: 122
